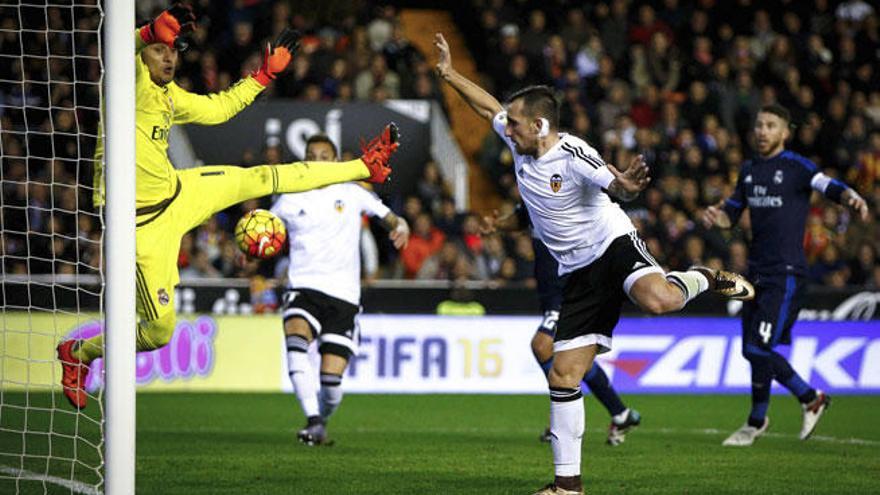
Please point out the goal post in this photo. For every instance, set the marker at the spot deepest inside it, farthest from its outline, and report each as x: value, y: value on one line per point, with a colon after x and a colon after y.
x: 67, y: 267
x: 119, y: 246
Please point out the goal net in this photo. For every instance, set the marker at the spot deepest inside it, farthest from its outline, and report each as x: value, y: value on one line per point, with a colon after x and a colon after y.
x: 51, y: 76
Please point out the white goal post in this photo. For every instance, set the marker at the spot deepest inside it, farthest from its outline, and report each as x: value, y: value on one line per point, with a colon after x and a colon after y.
x: 120, y: 246
x: 67, y: 267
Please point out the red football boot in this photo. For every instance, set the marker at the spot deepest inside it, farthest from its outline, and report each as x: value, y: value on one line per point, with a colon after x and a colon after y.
x: 377, y: 153
x: 74, y: 374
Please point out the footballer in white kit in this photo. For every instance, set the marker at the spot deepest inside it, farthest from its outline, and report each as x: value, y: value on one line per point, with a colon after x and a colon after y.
x: 322, y: 301
x: 565, y: 186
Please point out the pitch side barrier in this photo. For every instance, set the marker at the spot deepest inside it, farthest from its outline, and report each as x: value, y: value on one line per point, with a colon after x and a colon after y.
x: 459, y: 354
x: 234, y: 296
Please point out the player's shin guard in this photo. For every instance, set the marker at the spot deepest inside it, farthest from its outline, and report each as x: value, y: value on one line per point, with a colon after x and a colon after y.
x: 566, y: 429
x: 762, y: 378
x: 692, y: 283
x: 597, y: 381
x: 788, y: 377
x: 331, y: 394
x: 301, y: 374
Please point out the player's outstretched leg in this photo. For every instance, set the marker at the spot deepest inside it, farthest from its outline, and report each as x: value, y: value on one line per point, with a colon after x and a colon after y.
x: 747, y: 434
x: 567, y: 421
x: 76, y: 355
x: 814, y: 402
x: 302, y: 377
x: 206, y: 190
x: 73, y: 374
x: 542, y: 350
x: 762, y: 378
x: 623, y: 419
x: 659, y: 293
x: 813, y: 411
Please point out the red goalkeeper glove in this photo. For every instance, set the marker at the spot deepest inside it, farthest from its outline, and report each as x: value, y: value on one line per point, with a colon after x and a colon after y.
x: 277, y: 56
x: 167, y: 28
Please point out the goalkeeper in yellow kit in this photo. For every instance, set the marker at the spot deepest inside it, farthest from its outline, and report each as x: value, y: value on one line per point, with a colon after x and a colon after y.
x: 171, y: 202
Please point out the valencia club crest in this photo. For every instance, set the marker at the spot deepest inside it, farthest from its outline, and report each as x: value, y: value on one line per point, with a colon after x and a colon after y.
x: 339, y: 205
x: 556, y: 182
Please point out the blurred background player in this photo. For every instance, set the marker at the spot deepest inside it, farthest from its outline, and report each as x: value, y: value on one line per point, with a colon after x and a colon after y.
x: 550, y: 288
x: 566, y: 187
x: 170, y: 202
x: 323, y: 300
x: 776, y: 186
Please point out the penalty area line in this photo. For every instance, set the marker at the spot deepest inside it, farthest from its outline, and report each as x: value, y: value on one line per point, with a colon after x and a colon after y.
x: 73, y: 486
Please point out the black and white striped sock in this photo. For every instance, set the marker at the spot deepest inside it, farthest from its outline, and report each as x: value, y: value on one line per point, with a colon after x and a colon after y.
x: 331, y: 393
x: 301, y: 374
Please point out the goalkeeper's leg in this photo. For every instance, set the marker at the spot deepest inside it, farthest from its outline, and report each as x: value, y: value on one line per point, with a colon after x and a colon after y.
x: 207, y: 190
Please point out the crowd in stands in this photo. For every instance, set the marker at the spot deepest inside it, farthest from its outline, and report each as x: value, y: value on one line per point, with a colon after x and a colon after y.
x: 680, y: 83
x: 676, y: 81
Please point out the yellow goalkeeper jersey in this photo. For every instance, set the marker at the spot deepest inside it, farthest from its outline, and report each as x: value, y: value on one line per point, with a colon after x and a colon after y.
x: 157, y: 109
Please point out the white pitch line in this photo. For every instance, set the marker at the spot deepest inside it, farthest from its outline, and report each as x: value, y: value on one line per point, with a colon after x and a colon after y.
x: 74, y: 486
x: 715, y: 431
x: 639, y: 431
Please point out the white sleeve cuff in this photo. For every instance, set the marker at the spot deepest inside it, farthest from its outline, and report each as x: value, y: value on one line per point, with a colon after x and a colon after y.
x: 820, y: 182
x: 603, y: 177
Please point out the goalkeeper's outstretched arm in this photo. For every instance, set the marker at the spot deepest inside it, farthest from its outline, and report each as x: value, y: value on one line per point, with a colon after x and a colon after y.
x: 217, y: 108
x: 482, y: 102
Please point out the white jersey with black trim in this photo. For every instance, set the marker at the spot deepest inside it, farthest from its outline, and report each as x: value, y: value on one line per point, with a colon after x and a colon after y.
x: 324, y: 231
x: 564, y: 191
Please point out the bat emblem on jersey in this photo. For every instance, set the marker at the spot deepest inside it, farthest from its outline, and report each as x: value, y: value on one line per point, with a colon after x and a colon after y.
x: 556, y: 182
x: 339, y: 205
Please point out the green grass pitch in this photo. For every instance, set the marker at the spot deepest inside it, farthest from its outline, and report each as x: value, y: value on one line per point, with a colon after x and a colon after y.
x: 448, y: 444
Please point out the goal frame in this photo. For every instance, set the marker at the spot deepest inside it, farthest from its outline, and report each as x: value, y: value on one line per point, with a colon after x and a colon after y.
x: 119, y: 246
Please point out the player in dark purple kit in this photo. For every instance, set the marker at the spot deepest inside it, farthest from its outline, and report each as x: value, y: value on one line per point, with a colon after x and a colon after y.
x: 776, y: 186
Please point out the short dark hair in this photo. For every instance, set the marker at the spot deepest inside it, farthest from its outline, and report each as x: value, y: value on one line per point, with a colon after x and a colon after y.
x: 539, y: 101
x: 322, y: 138
x: 777, y: 110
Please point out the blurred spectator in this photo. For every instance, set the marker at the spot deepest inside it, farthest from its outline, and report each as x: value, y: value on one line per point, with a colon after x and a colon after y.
x: 377, y: 76
x: 678, y: 82
x: 424, y: 242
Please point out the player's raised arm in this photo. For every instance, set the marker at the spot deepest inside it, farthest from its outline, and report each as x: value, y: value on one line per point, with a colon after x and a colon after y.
x: 168, y: 28
x: 217, y: 108
x: 482, y: 102
x: 839, y: 192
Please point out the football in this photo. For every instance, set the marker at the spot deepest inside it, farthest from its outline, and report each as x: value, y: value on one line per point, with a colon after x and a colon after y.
x: 260, y: 234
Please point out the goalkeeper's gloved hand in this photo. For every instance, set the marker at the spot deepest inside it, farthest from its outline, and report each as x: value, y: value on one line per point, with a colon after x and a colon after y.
x: 169, y: 26
x: 277, y: 55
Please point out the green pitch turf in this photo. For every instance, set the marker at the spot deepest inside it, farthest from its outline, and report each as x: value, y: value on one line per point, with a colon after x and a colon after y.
x: 448, y: 444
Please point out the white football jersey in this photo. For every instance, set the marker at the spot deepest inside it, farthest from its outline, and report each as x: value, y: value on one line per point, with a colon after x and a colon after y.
x: 564, y: 193
x: 324, y: 230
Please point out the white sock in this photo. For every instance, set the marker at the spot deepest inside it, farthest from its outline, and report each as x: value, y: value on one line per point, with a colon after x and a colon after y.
x: 567, y: 430
x: 692, y: 283
x: 301, y: 374
x: 331, y: 394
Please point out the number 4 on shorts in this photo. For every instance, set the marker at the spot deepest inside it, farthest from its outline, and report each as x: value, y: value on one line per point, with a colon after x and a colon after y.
x: 765, y: 330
